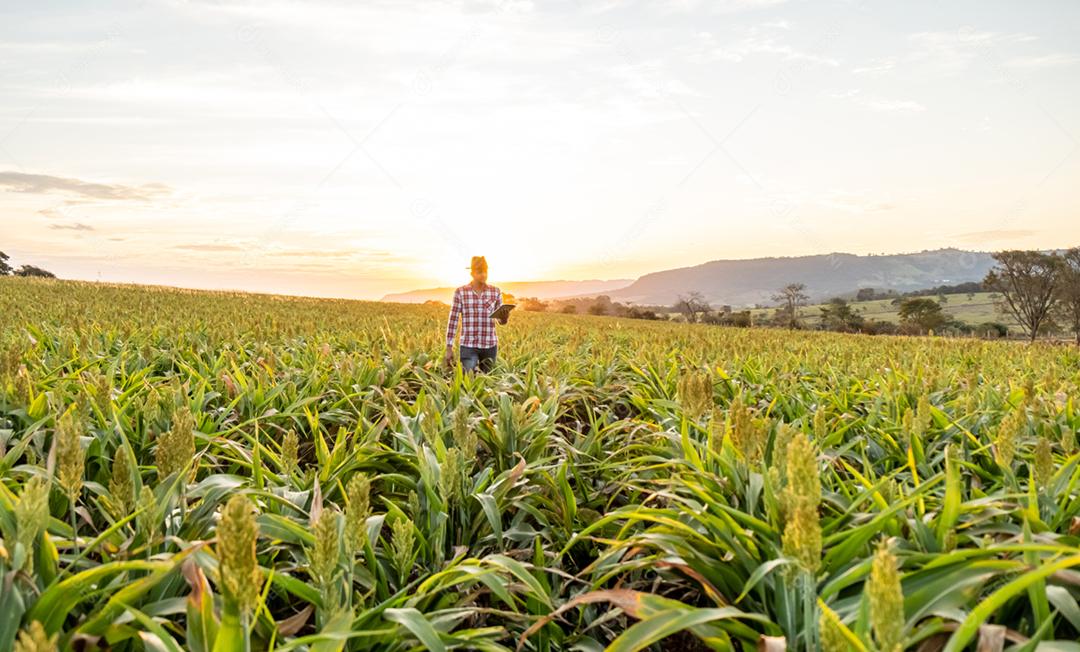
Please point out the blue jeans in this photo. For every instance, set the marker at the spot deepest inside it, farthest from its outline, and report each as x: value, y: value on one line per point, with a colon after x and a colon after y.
x: 472, y: 357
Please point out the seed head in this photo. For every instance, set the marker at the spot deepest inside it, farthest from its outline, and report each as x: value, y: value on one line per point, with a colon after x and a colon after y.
x: 121, y: 500
x: 176, y: 447
x: 923, y: 416
x: 803, y: 477
x: 24, y: 385
x: 907, y: 427
x: 802, y: 536
x: 695, y: 394
x: 237, y: 533
x: 886, y: 601
x: 455, y: 473
x: 414, y: 504
x: 289, y: 452
x: 31, y: 514
x: 464, y: 435
x: 402, y: 545
x: 146, y: 521
x: 1012, y: 427
x: 821, y: 425
x: 357, y: 511
x: 323, y: 556
x: 781, y: 441
x: 802, y: 529
x: 832, y: 632
x: 748, y: 434
x: 34, y: 639
x: 70, y: 456
x: 1044, y: 462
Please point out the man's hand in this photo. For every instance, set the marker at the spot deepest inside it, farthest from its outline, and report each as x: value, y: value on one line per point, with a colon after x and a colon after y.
x: 448, y: 359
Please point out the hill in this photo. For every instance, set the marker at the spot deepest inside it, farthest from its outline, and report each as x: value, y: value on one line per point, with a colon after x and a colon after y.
x: 747, y: 282
x: 538, y: 289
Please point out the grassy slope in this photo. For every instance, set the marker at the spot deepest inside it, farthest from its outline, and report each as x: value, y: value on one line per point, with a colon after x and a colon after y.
x: 978, y: 309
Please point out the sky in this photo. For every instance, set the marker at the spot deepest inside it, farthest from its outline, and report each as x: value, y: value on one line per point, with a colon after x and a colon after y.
x: 353, y: 149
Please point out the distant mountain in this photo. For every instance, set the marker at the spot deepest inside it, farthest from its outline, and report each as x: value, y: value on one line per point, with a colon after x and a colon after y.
x: 747, y: 282
x: 538, y: 289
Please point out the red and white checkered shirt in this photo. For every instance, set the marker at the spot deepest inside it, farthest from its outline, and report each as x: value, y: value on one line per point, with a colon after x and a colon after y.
x: 473, y: 309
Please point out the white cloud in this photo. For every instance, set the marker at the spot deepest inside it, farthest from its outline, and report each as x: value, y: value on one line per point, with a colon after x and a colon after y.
x: 952, y: 52
x: 884, y: 105
x: 875, y: 67
x: 895, y: 106
x: 1057, y: 60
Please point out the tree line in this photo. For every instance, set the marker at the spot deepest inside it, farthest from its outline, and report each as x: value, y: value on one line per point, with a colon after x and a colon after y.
x: 23, y: 270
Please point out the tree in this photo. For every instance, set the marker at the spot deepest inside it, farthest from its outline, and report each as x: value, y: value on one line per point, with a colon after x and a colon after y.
x: 532, y: 304
x: 1068, y: 292
x: 865, y: 294
x: 569, y: 309
x: 1027, y: 282
x: 837, y: 315
x: 925, y: 314
x: 791, y: 297
x: 693, y: 305
x: 5, y: 269
x: 598, y: 309
x: 31, y: 270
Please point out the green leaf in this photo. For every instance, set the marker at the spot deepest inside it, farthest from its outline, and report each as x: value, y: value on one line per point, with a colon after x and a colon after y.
x: 415, y: 622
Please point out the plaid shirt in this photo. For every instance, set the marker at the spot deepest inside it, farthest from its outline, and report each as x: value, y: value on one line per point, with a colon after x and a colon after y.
x: 474, y: 312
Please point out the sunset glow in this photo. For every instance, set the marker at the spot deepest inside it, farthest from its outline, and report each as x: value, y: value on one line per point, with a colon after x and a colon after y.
x: 349, y: 149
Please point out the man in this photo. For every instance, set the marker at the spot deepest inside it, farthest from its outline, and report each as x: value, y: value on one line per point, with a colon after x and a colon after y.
x: 473, y: 305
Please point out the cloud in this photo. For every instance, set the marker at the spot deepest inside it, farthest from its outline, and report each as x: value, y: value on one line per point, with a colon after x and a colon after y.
x: 875, y: 67
x: 953, y: 52
x: 209, y: 247
x: 880, y: 104
x: 759, y: 40
x: 1058, y: 60
x: 895, y: 106
x: 72, y: 226
x: 43, y: 184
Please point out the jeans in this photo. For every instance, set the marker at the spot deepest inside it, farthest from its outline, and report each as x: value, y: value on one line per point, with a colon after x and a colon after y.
x: 472, y: 357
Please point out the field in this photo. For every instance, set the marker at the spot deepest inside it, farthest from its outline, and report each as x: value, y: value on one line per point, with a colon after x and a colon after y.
x: 211, y: 471
x: 976, y: 309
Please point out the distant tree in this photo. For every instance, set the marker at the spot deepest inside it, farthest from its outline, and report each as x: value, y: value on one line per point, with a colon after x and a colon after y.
x: 1068, y: 293
x: 865, y: 294
x: 533, y: 304
x: 943, y: 299
x: 1027, y: 282
x: 598, y: 309
x: 837, y: 315
x: 569, y: 309
x: 791, y: 297
x: 30, y: 270
x: 924, y: 314
x: 693, y: 305
x: 634, y: 312
x: 992, y: 329
x: 5, y: 269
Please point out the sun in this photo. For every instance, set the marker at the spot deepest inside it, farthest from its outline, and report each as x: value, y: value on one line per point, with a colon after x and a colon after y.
x: 453, y: 270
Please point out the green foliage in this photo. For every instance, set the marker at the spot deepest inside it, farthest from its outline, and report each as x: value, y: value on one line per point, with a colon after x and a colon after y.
x: 619, y: 483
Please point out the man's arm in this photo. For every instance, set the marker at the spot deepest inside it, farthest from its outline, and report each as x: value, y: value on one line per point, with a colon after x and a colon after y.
x: 451, y: 327
x: 498, y: 304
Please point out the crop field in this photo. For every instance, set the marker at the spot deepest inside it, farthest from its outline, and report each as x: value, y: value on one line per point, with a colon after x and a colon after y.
x: 214, y: 471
